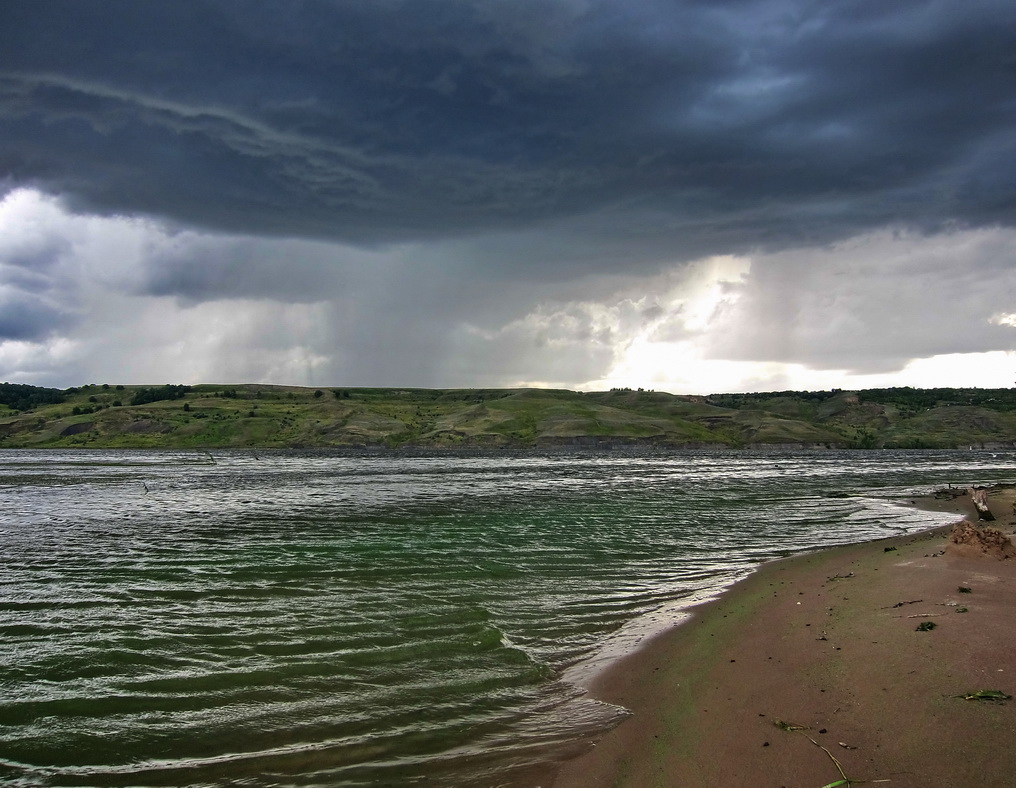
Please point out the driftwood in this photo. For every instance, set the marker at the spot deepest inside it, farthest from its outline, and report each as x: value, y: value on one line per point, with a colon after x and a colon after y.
x: 979, y: 495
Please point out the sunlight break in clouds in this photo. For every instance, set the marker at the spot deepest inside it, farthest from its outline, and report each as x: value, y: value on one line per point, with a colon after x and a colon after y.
x: 822, y: 318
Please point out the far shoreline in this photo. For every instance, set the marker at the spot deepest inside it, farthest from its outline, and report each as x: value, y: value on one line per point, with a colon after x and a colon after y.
x: 256, y: 416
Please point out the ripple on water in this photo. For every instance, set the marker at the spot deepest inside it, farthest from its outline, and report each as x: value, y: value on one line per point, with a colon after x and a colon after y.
x: 309, y: 619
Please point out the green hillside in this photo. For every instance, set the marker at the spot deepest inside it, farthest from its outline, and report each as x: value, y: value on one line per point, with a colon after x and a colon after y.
x: 209, y: 416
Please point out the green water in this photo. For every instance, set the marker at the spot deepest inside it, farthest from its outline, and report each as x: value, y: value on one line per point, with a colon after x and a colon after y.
x: 307, y: 619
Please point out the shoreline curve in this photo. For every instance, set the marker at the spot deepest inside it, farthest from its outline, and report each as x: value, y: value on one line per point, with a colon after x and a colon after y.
x: 812, y: 665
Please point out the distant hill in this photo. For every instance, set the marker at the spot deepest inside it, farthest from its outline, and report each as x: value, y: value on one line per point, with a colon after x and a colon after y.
x: 210, y: 416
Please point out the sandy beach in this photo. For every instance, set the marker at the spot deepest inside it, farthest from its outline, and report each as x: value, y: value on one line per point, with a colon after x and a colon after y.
x: 814, y: 669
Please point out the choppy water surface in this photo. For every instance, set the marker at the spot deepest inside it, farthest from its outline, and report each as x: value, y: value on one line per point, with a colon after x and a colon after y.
x: 180, y: 618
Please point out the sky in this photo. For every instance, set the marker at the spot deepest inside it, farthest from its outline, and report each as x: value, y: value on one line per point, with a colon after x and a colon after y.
x: 694, y: 196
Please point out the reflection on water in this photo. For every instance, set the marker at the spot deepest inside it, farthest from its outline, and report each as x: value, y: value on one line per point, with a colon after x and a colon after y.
x: 175, y: 618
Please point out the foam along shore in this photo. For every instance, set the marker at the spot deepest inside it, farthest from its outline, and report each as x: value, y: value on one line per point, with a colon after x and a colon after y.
x: 860, y: 662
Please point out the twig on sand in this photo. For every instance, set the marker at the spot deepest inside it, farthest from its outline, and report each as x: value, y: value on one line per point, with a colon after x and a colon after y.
x: 901, y: 604
x: 844, y: 780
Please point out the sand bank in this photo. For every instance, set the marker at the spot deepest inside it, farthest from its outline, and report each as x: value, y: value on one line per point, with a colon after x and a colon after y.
x: 819, y: 657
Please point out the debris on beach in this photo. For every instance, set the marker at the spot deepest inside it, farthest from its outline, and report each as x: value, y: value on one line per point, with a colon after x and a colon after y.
x: 969, y: 541
x: 926, y: 626
x: 993, y: 696
x: 910, y: 602
x: 979, y: 495
x: 844, y: 780
x: 950, y: 492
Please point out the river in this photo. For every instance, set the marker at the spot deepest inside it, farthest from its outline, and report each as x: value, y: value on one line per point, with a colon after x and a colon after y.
x: 318, y: 619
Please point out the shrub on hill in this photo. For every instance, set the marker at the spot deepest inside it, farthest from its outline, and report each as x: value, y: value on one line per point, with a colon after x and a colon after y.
x: 158, y: 394
x: 759, y: 398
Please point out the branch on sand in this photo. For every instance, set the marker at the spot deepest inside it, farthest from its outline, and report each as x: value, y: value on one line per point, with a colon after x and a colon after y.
x: 844, y: 781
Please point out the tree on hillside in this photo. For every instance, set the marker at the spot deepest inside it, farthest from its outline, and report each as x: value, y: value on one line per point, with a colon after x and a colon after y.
x: 158, y: 394
x: 19, y: 396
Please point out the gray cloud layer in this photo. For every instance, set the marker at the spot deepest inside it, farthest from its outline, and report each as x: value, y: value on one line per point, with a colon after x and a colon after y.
x: 872, y: 307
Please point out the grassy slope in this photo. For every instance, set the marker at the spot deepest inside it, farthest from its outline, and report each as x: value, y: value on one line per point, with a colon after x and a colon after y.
x: 287, y: 416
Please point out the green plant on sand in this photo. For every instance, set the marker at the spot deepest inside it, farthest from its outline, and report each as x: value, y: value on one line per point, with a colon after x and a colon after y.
x: 844, y: 781
x: 992, y: 696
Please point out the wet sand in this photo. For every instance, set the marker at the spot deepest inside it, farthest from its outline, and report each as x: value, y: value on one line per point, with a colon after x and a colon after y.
x: 815, y: 664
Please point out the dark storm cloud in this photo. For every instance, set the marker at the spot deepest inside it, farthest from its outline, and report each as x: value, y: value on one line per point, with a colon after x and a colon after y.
x: 34, y: 302
x: 195, y: 268
x: 693, y: 127
x: 26, y: 316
